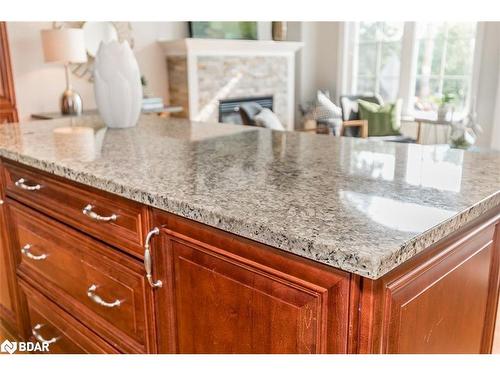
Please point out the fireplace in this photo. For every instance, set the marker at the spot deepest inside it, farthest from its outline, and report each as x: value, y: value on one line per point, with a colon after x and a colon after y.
x: 229, y: 109
x: 203, y: 73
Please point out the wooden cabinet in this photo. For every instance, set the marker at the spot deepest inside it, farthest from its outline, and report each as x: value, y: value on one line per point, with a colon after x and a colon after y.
x: 224, y: 294
x: 109, y: 218
x: 97, y: 284
x: 61, y: 254
x: 443, y: 301
x: 8, y: 111
x: 64, y: 334
x: 8, y: 282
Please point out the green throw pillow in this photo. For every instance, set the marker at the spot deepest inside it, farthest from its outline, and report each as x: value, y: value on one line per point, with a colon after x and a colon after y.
x: 382, y: 119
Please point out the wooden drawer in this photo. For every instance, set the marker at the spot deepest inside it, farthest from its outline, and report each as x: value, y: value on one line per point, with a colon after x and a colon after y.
x: 48, y: 322
x: 66, y: 201
x: 98, y: 285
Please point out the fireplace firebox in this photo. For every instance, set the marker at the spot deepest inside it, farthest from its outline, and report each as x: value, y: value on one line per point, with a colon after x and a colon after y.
x: 229, y: 109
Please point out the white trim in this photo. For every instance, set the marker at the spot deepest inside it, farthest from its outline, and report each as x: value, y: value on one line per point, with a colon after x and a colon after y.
x: 342, y: 61
x: 408, y: 67
x: 471, y: 102
x: 291, y: 93
x: 353, y: 42
x: 495, y: 131
x: 227, y: 47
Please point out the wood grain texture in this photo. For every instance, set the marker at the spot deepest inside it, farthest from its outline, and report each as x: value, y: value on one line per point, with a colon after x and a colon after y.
x: 73, y: 263
x: 72, y: 337
x: 225, y: 294
x: 8, y: 111
x: 9, y: 311
x: 442, y: 301
x: 65, y: 201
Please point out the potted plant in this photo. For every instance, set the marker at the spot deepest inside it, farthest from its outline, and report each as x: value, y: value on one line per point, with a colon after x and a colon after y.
x: 445, y: 105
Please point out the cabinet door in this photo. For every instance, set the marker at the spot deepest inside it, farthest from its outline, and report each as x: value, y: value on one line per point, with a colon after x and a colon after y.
x: 8, y: 112
x: 8, y: 284
x: 445, y: 303
x: 240, y: 297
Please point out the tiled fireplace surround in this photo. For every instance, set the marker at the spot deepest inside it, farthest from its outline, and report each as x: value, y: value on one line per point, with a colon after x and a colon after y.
x: 203, y: 71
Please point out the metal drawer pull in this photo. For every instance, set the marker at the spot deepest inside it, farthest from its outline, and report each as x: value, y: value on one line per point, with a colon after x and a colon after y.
x: 21, y: 184
x: 1, y: 202
x: 39, y: 337
x: 94, y: 297
x: 148, y: 261
x: 26, y: 251
x: 88, y: 212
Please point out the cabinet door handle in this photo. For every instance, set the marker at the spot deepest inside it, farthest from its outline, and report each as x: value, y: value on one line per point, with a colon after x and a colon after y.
x: 39, y: 337
x: 87, y: 210
x: 97, y: 299
x: 21, y: 183
x: 148, y: 261
x: 26, y: 251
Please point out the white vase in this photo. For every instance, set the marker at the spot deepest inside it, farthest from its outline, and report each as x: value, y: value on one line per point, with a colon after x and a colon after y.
x: 442, y: 113
x: 117, y: 85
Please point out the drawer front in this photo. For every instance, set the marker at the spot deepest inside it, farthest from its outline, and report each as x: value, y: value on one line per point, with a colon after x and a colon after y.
x: 67, y: 202
x: 101, y: 287
x: 65, y: 335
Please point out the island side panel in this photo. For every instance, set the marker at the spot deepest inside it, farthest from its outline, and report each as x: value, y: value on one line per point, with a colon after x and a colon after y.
x: 225, y: 294
x: 9, y: 317
x: 441, y: 301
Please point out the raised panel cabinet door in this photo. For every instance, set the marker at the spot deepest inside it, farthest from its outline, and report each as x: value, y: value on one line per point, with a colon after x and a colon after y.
x: 445, y: 303
x: 223, y: 301
x: 8, y: 112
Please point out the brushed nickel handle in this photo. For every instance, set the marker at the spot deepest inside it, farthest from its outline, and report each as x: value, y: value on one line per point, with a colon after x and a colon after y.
x: 1, y: 202
x: 87, y: 210
x: 39, y: 337
x: 97, y: 299
x: 26, y: 251
x: 148, y: 261
x: 21, y: 183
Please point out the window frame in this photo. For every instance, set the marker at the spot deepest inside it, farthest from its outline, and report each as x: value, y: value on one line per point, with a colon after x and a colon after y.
x: 348, y: 65
x: 379, y: 44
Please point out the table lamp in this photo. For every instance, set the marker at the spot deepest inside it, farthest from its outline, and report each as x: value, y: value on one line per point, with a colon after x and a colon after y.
x: 65, y: 46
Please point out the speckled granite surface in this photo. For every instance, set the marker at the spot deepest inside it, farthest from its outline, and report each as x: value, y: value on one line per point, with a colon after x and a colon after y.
x: 361, y: 206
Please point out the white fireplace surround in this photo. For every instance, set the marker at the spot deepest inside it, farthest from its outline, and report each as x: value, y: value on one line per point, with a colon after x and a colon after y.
x: 195, y: 50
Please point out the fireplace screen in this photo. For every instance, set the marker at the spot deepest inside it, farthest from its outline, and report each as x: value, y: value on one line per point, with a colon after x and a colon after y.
x: 229, y: 109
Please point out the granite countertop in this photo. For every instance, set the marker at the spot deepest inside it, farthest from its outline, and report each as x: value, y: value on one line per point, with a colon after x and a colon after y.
x: 362, y: 206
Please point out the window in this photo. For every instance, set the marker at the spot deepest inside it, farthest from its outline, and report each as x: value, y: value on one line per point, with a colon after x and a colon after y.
x: 379, y: 58
x: 418, y: 62
x: 444, y: 65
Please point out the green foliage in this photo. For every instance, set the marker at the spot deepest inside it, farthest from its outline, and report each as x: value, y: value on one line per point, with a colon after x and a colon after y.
x: 224, y: 30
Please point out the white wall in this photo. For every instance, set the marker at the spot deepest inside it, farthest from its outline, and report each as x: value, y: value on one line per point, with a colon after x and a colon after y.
x: 488, y: 82
x: 38, y: 85
x: 318, y: 57
x: 495, y: 136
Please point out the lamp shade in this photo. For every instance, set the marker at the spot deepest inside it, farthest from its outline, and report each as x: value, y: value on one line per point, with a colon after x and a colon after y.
x: 64, y: 45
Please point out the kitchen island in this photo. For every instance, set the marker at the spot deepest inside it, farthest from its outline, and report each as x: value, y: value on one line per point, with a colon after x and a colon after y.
x: 211, y: 238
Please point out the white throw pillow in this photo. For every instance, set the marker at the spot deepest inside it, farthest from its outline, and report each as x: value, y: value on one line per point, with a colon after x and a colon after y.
x: 335, y: 111
x: 267, y: 119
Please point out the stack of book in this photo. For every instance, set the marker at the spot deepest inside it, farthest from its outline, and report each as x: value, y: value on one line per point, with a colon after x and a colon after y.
x: 152, y: 104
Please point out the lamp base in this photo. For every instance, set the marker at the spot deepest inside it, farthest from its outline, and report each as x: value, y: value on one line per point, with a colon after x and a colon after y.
x: 71, y: 103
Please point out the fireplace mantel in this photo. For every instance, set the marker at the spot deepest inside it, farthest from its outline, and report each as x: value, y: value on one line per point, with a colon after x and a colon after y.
x: 206, y: 47
x: 204, y: 71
